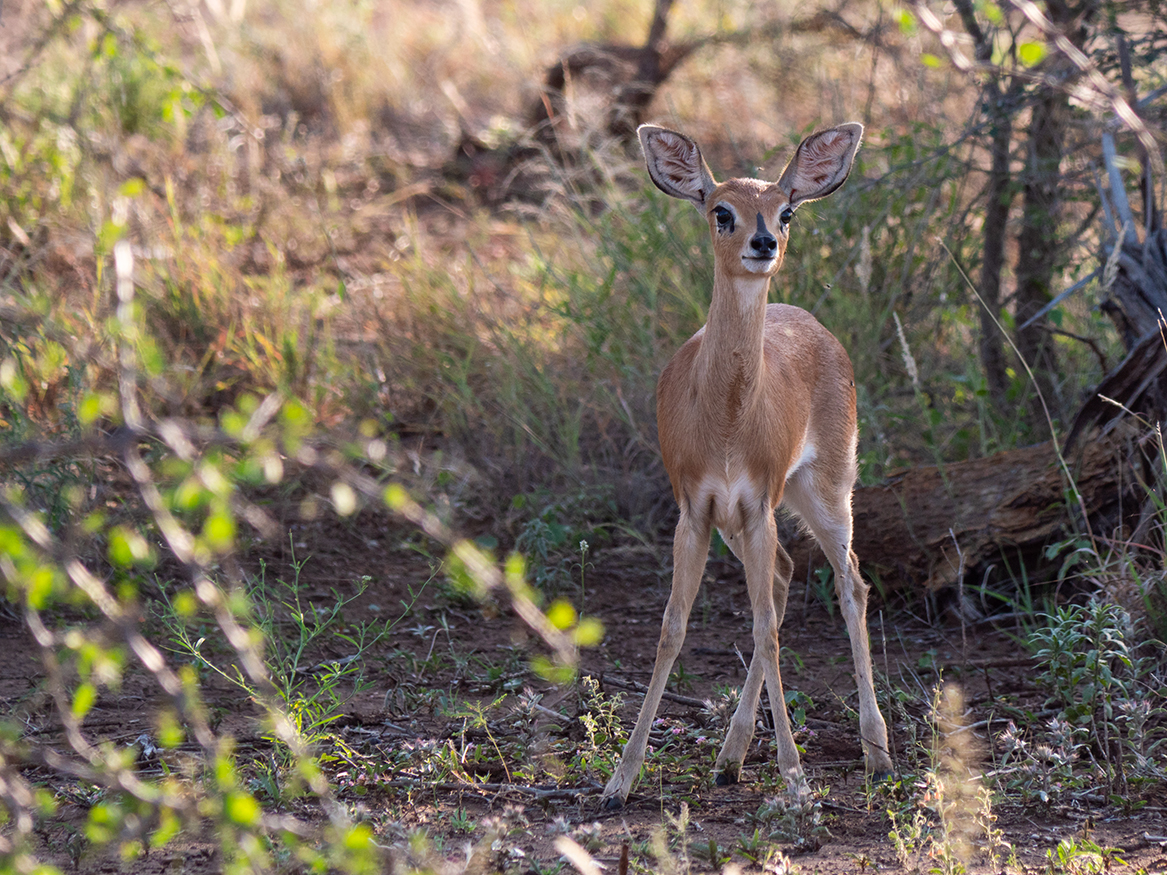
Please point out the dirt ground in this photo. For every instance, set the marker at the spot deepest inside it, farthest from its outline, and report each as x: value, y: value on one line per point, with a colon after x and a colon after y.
x: 626, y: 588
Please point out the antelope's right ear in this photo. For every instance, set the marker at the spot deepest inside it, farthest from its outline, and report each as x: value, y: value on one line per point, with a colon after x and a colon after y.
x: 675, y: 165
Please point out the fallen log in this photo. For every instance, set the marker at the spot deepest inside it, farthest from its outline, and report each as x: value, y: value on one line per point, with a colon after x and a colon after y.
x: 923, y: 527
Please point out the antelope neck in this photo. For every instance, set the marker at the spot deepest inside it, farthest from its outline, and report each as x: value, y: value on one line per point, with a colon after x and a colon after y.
x: 731, y: 350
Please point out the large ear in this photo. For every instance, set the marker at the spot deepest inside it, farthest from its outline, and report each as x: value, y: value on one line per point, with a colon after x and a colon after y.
x: 821, y: 163
x: 675, y: 165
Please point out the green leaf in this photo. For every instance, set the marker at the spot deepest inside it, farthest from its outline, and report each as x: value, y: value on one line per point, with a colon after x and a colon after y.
x: 589, y: 633
x: 89, y: 408
x: 546, y: 669
x: 395, y: 497
x: 1031, y: 54
x: 132, y: 187
x: 561, y: 614
x: 168, y: 827
x: 241, y: 808
x: 931, y: 60
x: 111, y: 232
x: 992, y: 12
x: 83, y: 699
x: 12, y: 380
x: 219, y: 530
x: 39, y: 584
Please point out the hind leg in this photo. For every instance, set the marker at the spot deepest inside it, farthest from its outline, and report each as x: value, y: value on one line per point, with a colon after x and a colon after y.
x: 828, y: 515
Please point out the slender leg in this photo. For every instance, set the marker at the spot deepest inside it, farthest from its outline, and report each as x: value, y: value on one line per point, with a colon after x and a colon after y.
x: 690, y: 551
x: 829, y: 518
x: 759, y: 552
x: 741, y: 727
x: 852, y: 593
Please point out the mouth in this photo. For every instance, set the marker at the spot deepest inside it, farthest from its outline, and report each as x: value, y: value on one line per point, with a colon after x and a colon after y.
x: 758, y: 264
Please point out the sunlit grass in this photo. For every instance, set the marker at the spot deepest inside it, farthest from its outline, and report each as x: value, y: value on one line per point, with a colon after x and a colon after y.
x: 277, y: 170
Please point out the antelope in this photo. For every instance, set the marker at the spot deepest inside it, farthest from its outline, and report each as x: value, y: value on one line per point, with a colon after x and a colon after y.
x: 756, y: 410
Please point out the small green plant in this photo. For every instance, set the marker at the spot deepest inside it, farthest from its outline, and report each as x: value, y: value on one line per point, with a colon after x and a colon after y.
x: 681, y: 680
x: 797, y: 704
x: 1090, y: 666
x: 474, y: 716
x: 1042, y: 771
x: 600, y: 718
x: 1081, y: 856
x: 560, y: 534
x: 823, y: 583
x: 314, y: 694
x: 461, y: 821
x: 794, y: 822
x: 996, y: 847
x: 754, y: 847
x: 710, y: 852
x: 1085, y: 657
x: 909, y: 836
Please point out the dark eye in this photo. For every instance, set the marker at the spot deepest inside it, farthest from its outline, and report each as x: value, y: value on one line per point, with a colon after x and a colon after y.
x: 786, y: 215
x: 724, y: 219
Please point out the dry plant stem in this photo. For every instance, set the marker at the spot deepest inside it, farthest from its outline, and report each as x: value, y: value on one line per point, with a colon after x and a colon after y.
x: 960, y: 597
x: 642, y: 689
x: 958, y: 772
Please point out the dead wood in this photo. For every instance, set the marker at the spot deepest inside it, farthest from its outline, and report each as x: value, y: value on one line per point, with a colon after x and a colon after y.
x: 1135, y: 282
x: 913, y: 529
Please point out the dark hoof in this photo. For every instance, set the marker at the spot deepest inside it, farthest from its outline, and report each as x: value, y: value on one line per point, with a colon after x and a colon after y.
x: 611, y: 803
x: 881, y: 776
x: 724, y: 779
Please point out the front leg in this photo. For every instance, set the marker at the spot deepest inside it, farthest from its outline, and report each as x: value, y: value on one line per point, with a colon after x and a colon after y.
x: 741, y: 728
x: 690, y: 551
x: 759, y: 552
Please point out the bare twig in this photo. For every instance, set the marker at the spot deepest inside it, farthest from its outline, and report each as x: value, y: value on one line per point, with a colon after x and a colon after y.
x: 641, y: 688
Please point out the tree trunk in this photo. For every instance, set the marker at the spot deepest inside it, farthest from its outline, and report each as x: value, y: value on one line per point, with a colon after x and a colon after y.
x: 999, y: 106
x: 996, y: 217
x: 1038, y: 243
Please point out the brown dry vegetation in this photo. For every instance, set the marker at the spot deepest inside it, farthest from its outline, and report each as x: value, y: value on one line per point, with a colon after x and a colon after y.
x: 271, y: 268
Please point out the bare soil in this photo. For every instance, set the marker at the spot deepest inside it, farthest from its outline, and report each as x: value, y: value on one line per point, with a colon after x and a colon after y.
x: 626, y: 587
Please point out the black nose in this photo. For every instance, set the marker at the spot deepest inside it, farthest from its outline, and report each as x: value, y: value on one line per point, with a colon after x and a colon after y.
x: 764, y: 245
x: 763, y: 242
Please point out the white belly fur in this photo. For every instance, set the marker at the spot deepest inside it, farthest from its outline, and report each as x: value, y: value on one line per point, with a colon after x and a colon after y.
x: 735, y: 491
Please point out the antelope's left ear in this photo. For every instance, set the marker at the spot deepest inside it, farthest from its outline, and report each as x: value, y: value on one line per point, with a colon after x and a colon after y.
x: 821, y: 163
